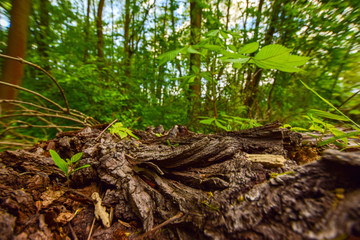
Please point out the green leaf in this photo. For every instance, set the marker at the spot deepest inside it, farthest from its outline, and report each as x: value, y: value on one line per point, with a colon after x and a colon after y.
x: 232, y: 48
x: 217, y: 123
x: 345, y: 135
x: 192, y: 79
x: 168, y: 56
x: 276, y: 56
x: 272, y: 51
x: 224, y: 35
x: 212, y: 47
x: 131, y: 134
x: 249, y: 48
x: 76, y: 157
x: 122, y: 134
x: 328, y: 115
x: 59, y: 161
x: 84, y: 166
x: 239, y: 60
x: 195, y: 69
x: 207, y: 121
x: 192, y: 50
x: 212, y: 33
x: 328, y: 103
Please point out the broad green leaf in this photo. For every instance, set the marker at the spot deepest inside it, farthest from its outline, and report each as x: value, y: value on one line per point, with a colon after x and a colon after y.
x: 328, y: 115
x: 273, y: 51
x: 276, y: 56
x: 59, y: 161
x: 249, y: 48
x: 76, y: 157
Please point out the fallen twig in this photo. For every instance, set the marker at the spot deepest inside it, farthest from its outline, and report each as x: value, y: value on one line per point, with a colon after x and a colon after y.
x: 155, y: 229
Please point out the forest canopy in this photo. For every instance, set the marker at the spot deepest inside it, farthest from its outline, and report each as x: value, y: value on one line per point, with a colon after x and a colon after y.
x: 198, y: 63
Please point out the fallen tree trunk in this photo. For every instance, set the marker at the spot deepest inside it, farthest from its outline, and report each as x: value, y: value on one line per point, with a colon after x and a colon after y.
x: 235, y: 185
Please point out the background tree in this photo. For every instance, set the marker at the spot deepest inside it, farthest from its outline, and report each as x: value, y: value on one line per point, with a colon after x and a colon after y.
x: 12, y: 71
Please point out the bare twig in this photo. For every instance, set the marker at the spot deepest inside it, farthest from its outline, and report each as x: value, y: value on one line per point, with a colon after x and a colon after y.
x: 102, y: 132
x: 72, y: 232
x: 91, y: 229
x: 153, y: 231
x: 35, y: 93
x: 43, y: 115
x: 43, y: 70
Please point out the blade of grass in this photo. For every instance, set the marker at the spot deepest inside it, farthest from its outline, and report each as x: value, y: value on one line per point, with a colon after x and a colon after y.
x: 330, y: 104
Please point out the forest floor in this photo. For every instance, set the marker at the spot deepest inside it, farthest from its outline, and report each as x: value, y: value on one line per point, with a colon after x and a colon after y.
x: 260, y: 183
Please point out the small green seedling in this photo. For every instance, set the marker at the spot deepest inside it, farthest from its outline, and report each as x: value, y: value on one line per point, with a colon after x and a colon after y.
x: 123, y: 132
x: 68, y: 166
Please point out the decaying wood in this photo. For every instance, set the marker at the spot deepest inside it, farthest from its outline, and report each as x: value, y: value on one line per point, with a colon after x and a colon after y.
x: 215, y: 182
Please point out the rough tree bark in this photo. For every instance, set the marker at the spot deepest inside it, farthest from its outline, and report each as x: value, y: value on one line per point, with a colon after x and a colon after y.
x: 194, y: 186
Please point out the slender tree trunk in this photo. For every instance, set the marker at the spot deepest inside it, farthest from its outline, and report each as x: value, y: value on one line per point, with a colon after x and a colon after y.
x: 195, y: 59
x: 13, y: 70
x: 44, y: 33
x: 86, y: 31
x: 160, y: 79
x: 99, y: 31
x: 127, y: 48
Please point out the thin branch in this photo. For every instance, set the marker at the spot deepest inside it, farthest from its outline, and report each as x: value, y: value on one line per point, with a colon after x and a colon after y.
x: 32, y: 92
x: 348, y: 99
x: 105, y: 129
x: 18, y: 103
x: 27, y: 125
x: 43, y: 115
x: 43, y: 70
x: 153, y: 231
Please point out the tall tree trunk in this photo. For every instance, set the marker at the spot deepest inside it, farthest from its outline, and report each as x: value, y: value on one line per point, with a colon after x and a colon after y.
x: 44, y: 33
x: 13, y: 70
x: 99, y: 31
x: 162, y: 41
x: 86, y: 31
x: 195, y: 59
x: 127, y: 47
